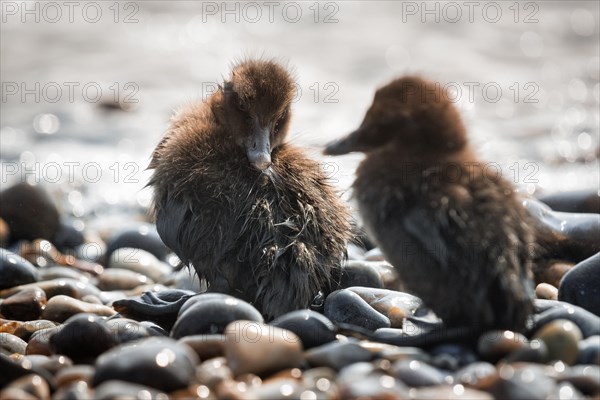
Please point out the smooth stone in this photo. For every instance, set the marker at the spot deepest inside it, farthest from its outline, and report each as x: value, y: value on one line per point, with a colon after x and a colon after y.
x: 127, y: 330
x: 589, y: 351
x: 452, y: 356
x: 43, y: 253
x: 206, y: 346
x: 29, y: 212
x: 277, y: 389
x: 213, y: 372
x: 83, y: 337
x: 494, y: 345
x: 523, y: 383
x: 75, y: 373
x: 52, y: 364
x: 388, y: 274
x: 12, y: 344
x: 580, y: 201
x: 563, y: 235
x: 58, y: 272
x: 79, y: 390
x: 562, y: 339
x: 193, y: 391
x: 255, y: 347
x: 314, y: 329
x: 477, y: 375
x: 534, y: 351
x: 374, y: 254
x: 394, y: 353
x: 116, y: 389
x: 140, y: 261
x: 60, y: 308
x: 321, y: 380
x: 337, y: 355
x: 211, y: 313
x: 161, y: 363
x: 345, y: 306
x: 581, y: 285
x: 55, y: 287
x: 585, y: 378
x: 394, y: 305
x: 33, y: 385
x: 162, y: 307
x: 416, y: 373
x: 25, y: 330
x: 360, y: 273
x: 121, y: 279
x: 374, y: 386
x: 25, y: 305
x: 15, y: 270
x: 14, y: 369
x: 447, y: 392
x: 68, y: 237
x: 39, y: 342
x: 144, y: 237
x: 546, y: 291
x: 586, y: 321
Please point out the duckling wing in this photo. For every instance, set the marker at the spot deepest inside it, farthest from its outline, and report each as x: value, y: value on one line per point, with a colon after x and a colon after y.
x: 428, y: 234
x: 169, y: 221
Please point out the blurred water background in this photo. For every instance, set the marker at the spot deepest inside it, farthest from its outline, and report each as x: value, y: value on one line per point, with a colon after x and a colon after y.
x: 87, y: 94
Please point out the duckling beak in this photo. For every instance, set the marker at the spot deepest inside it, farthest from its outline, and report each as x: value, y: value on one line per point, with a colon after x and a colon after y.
x: 259, y: 148
x: 345, y: 145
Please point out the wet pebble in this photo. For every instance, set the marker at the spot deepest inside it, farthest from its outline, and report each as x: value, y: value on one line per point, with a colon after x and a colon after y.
x: 345, y: 306
x: 360, y: 273
x: 452, y: 356
x: 25, y: 330
x: 211, y: 313
x: 83, y: 337
x: 494, y: 345
x: 258, y: 348
x: 477, y: 375
x: 60, y: 308
x: 25, y: 305
x: 337, y: 355
x: 374, y: 386
x: 586, y: 321
x: 416, y: 373
x: 15, y: 270
x: 394, y: 305
x: 546, y: 291
x: 140, y: 261
x: 534, y: 351
x: 206, y: 346
x: 58, y: 272
x: 127, y: 330
x: 522, y: 382
x: 10, y: 343
x: 74, y: 373
x: 581, y: 285
x: 314, y: 329
x: 213, y: 372
x: 142, y: 237
x: 39, y: 342
x: 448, y: 392
x: 160, y: 363
x: 116, y: 389
x: 27, y: 387
x: 589, y: 350
x: 586, y: 378
x: 562, y: 339
x: 54, y: 287
x: 52, y: 364
x: 581, y: 201
x: 374, y: 254
x: 121, y: 279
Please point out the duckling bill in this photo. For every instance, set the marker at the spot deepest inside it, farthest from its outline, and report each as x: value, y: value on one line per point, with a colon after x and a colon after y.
x: 252, y: 214
x: 459, y: 238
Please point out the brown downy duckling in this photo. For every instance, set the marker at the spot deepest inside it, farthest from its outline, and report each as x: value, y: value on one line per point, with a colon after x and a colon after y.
x: 453, y: 228
x: 251, y: 213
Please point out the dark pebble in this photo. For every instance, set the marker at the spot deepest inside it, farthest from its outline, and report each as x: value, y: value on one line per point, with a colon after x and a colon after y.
x: 337, y: 355
x: 206, y: 346
x: 15, y: 270
x: 68, y: 238
x: 143, y: 237
x: 360, y: 273
x: 161, y: 363
x: 535, y: 351
x: 83, y: 338
x: 115, y: 389
x: 63, y: 286
x: 127, y: 330
x: 452, y: 356
x: 313, y: 328
x: 581, y: 285
x: 28, y: 328
x: 25, y: 305
x: 416, y: 373
x: 12, y: 370
x: 10, y: 344
x: 345, y: 306
x: 586, y: 321
x: 581, y: 201
x: 211, y: 313
x: 589, y: 351
x: 524, y: 383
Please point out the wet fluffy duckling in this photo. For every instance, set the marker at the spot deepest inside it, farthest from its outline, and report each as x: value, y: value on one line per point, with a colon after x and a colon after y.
x: 453, y: 228
x: 251, y: 213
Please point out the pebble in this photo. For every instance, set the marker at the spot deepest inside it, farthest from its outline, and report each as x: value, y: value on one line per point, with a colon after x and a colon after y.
x: 54, y: 287
x: 562, y: 339
x: 394, y: 305
x: 83, y: 337
x: 25, y: 305
x: 546, y: 291
x: 58, y: 272
x: 360, y: 273
x: 206, y: 346
x: 213, y: 372
x: 581, y: 285
x: 52, y: 364
x: 589, y: 350
x: 115, y: 389
x: 552, y: 273
x: 15, y: 270
x: 121, y: 279
x: 345, y: 306
x: 160, y: 363
x: 534, y: 351
x: 416, y: 373
x: 374, y: 386
x: 10, y: 343
x: 255, y: 347
x: 39, y: 342
x: 581, y: 201
x: 211, y: 313
x: 586, y: 378
x: 26, y: 329
x: 448, y: 392
x: 140, y: 261
x: 144, y: 237
x: 522, y: 382
x: 337, y: 355
x: 74, y: 373
x: 374, y: 254
x: 478, y: 375
x: 312, y: 328
x: 27, y: 387
x: 586, y: 321
x: 60, y: 308
x: 494, y: 345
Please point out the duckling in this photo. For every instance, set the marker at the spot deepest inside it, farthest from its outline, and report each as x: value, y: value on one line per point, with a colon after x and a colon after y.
x: 251, y: 213
x: 453, y: 228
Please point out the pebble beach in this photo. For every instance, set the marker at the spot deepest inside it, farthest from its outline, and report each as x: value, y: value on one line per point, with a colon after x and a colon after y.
x: 94, y: 305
